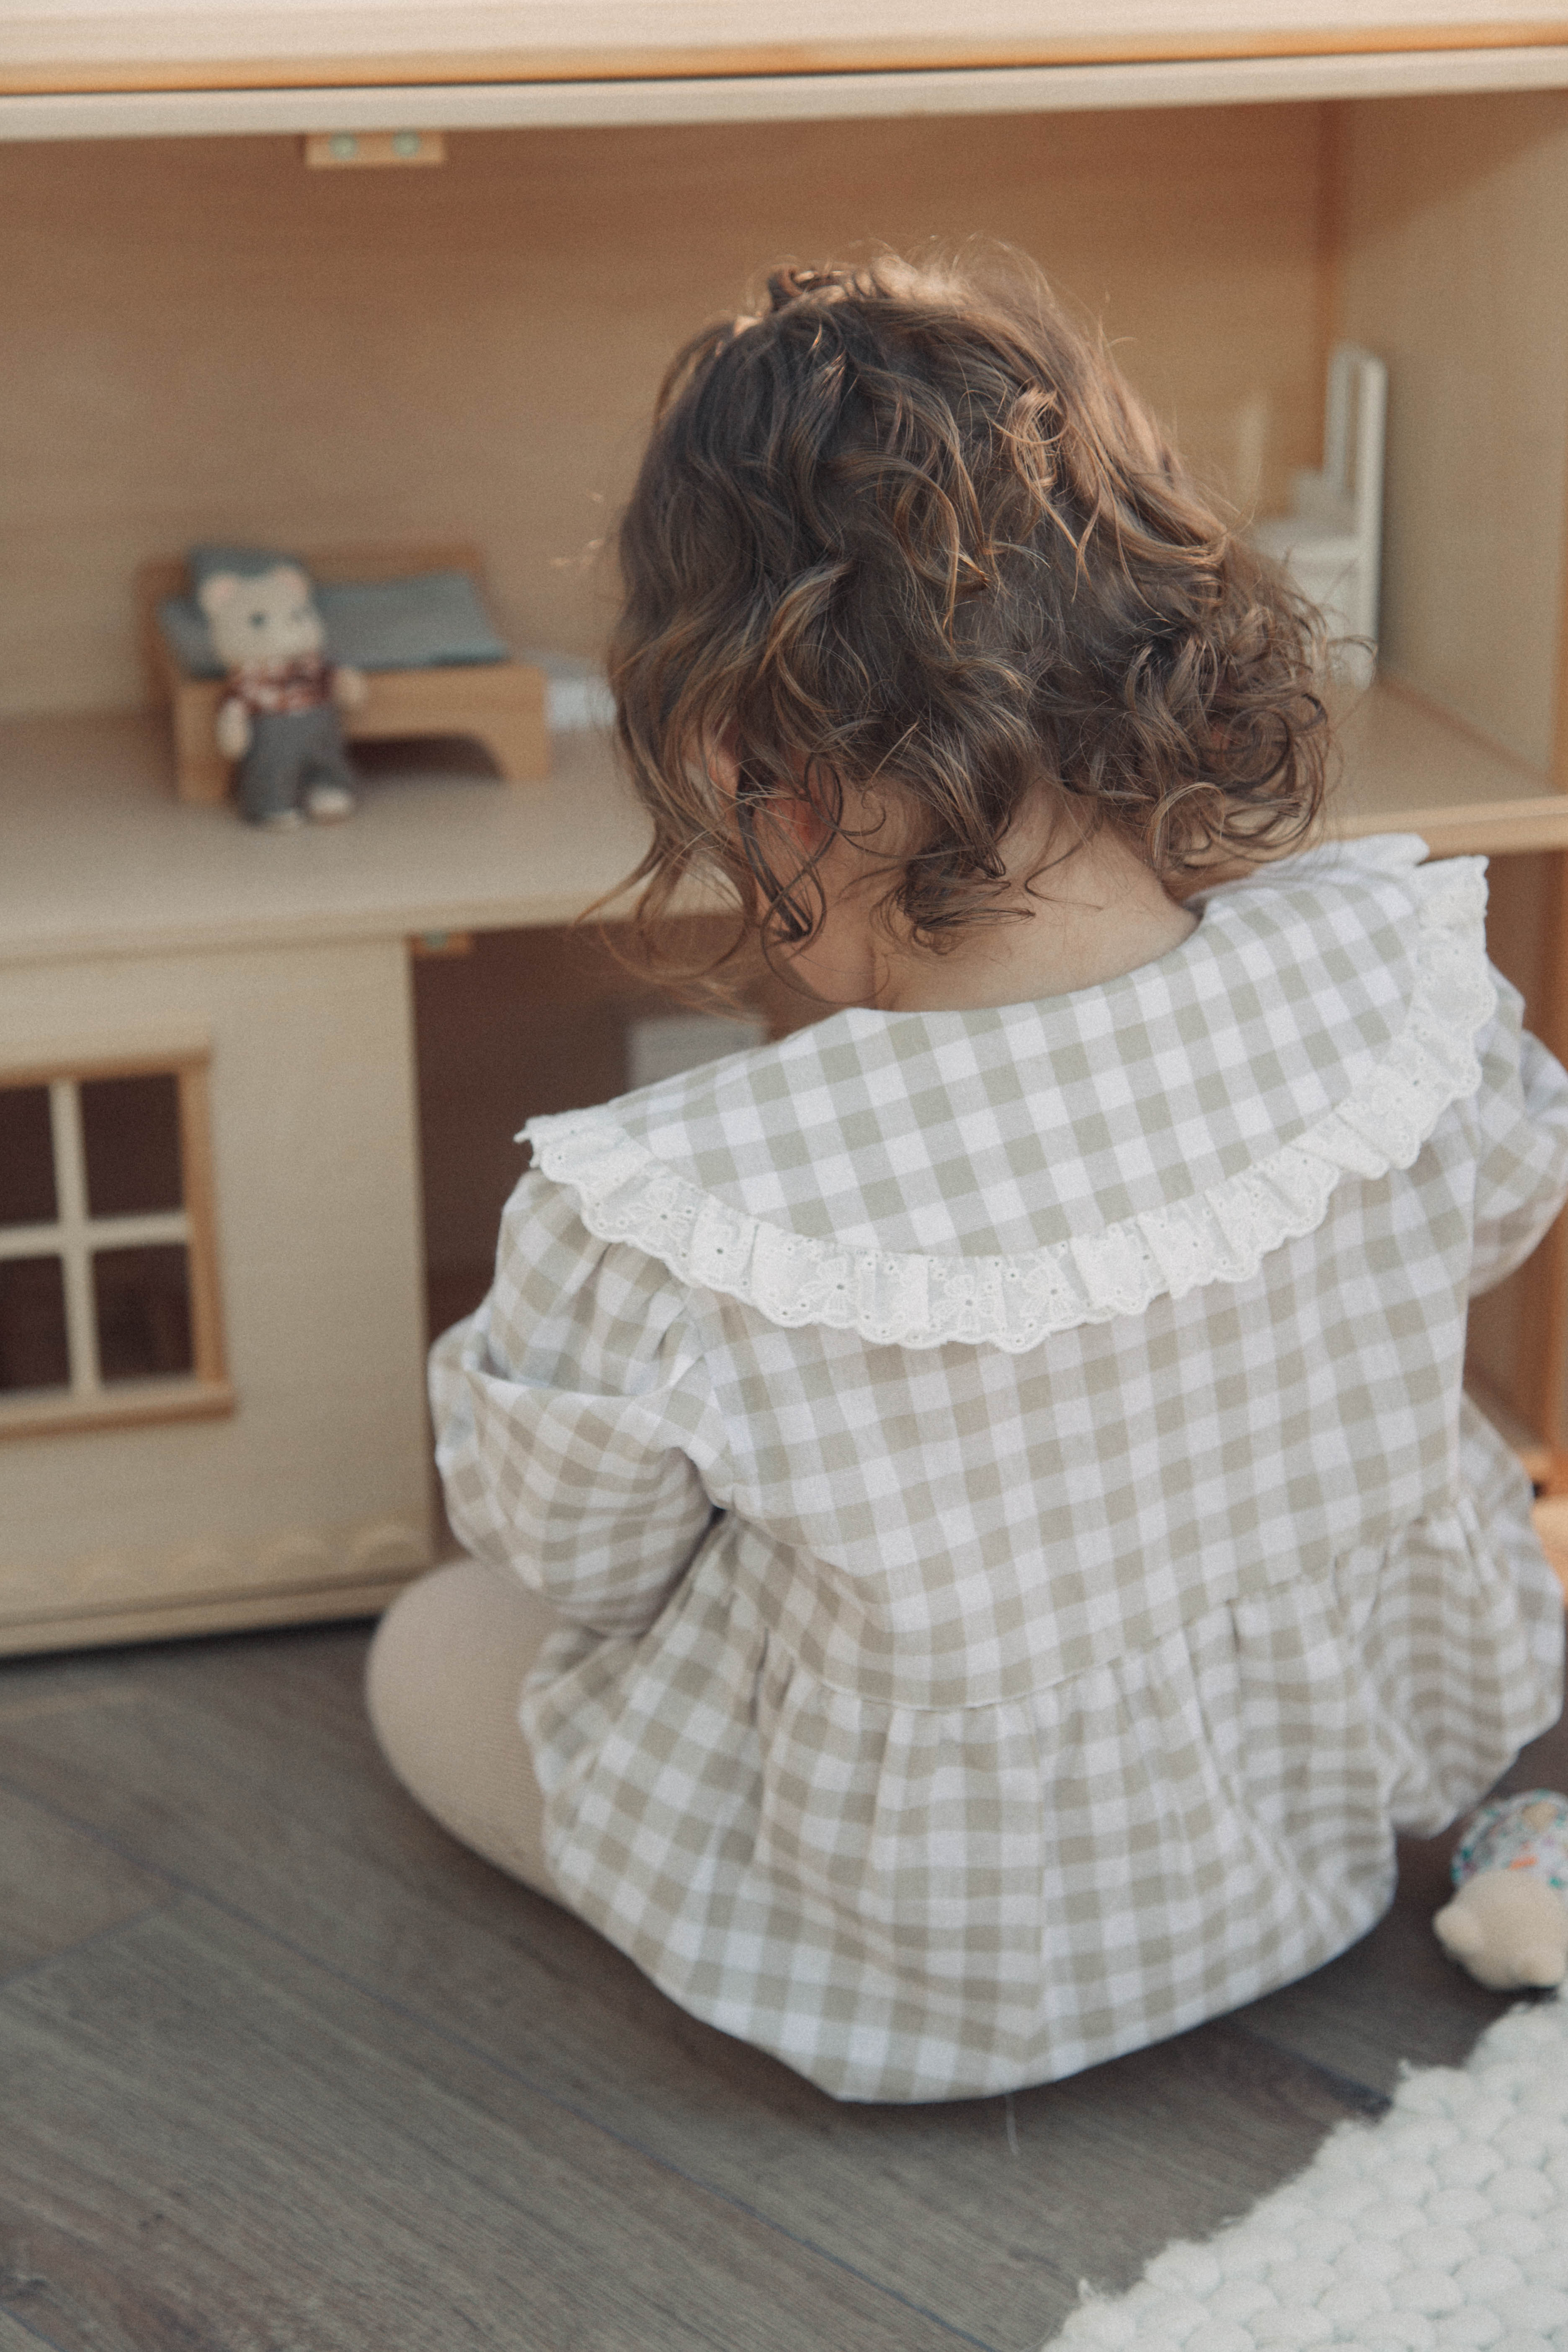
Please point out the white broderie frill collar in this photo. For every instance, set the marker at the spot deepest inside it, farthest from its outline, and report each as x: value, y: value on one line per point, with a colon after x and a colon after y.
x: 626, y: 1191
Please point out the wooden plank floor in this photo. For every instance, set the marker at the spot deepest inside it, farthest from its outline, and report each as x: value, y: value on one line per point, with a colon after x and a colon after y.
x: 282, y: 2069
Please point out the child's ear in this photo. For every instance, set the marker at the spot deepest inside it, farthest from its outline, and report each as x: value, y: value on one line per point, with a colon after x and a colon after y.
x: 723, y: 767
x: 798, y: 816
x: 803, y: 823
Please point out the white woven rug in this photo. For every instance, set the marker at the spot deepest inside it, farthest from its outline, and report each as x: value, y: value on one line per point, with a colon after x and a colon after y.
x: 1444, y: 2225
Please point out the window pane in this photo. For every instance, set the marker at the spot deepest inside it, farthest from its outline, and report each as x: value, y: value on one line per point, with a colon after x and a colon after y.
x: 27, y: 1157
x: 131, y: 1129
x: 34, y: 1351
x: 142, y: 1300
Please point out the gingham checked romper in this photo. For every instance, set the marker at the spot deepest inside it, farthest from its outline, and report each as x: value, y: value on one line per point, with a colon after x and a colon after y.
x: 1005, y: 1471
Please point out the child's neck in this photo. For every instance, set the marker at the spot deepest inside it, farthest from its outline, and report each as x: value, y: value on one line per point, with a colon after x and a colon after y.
x: 1096, y: 914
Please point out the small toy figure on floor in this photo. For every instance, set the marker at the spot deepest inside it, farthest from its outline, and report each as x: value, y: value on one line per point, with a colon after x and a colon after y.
x: 279, y: 718
x: 1508, y: 1923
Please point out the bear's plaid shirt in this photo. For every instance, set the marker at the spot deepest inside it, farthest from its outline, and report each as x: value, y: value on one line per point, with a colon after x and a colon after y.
x: 302, y: 684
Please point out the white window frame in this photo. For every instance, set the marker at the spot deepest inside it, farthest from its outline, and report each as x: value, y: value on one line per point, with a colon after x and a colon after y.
x: 75, y: 1234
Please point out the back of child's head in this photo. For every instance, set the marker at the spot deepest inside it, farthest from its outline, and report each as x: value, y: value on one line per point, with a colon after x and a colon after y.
x: 907, y: 540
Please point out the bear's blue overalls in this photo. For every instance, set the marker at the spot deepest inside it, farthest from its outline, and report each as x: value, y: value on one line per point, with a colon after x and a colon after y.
x: 296, y: 737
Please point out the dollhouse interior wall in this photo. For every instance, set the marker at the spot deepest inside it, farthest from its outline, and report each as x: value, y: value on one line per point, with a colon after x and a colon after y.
x: 205, y: 339
x: 1452, y: 218
x: 1453, y: 222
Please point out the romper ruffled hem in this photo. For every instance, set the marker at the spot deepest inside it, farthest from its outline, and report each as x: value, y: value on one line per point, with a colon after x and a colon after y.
x: 941, y: 1919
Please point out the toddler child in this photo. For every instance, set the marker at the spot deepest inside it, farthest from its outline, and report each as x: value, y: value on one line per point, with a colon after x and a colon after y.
x: 974, y: 1500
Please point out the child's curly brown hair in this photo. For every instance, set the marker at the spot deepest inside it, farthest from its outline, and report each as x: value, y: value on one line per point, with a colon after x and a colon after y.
x: 908, y: 534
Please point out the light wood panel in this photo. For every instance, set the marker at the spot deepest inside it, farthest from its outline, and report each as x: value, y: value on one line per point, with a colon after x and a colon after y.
x: 162, y: 1619
x: 1408, y: 765
x: 51, y: 45
x: 379, y: 109
x: 319, y: 1478
x: 206, y: 340
x: 1456, y: 221
x: 154, y: 1404
x: 102, y: 860
x: 200, y: 1207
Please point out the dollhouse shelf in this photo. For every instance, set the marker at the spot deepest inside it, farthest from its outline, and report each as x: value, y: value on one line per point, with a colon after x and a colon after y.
x: 101, y: 859
x: 119, y: 68
x: 1409, y: 766
x: 371, y: 99
x: 51, y: 50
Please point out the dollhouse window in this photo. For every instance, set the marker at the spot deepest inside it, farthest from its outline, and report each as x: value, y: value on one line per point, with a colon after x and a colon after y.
x: 109, y: 1306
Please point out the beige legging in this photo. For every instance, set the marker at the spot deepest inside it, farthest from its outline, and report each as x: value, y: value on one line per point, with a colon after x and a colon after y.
x: 442, y: 1683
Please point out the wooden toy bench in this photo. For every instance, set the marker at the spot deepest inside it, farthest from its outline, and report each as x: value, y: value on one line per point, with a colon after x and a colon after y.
x: 499, y: 704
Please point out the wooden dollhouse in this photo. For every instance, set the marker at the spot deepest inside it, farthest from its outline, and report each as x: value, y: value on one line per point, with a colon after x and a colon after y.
x: 257, y: 1094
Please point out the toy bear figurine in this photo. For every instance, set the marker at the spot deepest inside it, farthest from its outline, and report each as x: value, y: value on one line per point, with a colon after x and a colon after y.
x: 1508, y: 1923
x: 279, y: 718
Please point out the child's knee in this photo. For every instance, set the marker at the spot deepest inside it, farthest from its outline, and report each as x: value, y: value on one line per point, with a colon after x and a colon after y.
x: 443, y: 1683
x: 440, y: 1634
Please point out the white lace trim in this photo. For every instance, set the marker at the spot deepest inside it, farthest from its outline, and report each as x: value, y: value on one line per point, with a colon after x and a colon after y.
x: 901, y: 1297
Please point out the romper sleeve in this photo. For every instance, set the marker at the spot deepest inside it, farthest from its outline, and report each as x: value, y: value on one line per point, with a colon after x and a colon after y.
x: 576, y: 1435
x: 1521, y: 1115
